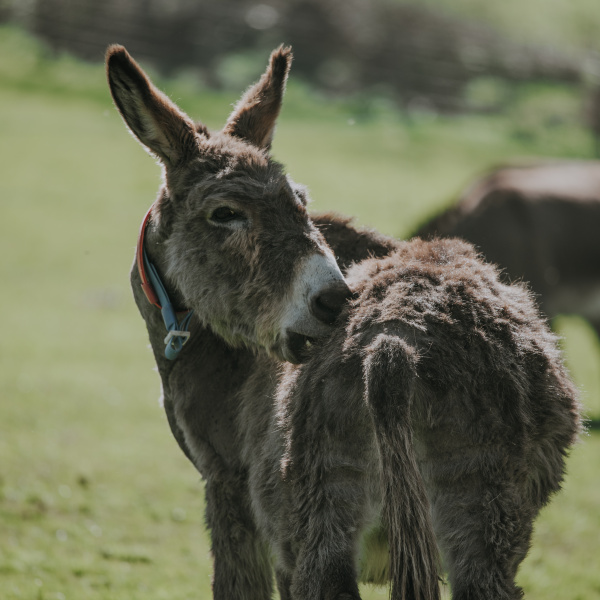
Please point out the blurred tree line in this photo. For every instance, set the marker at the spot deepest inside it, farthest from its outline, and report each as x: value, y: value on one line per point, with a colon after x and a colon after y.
x: 410, y: 52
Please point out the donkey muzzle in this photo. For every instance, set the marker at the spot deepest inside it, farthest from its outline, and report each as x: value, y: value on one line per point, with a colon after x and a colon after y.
x: 327, y: 304
x: 318, y: 297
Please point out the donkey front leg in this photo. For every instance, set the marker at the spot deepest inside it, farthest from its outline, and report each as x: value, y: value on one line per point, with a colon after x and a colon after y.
x: 241, y: 561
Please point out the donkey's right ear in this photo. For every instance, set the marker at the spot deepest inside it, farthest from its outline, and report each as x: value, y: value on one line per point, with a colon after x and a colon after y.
x: 156, y: 121
x: 254, y: 117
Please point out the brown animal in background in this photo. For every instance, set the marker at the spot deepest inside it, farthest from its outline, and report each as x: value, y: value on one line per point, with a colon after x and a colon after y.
x: 433, y: 412
x: 540, y: 223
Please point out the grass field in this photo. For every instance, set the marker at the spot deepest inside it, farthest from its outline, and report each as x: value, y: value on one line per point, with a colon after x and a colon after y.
x: 96, y: 500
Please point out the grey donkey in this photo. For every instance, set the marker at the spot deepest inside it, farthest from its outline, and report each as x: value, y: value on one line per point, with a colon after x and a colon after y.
x: 347, y: 428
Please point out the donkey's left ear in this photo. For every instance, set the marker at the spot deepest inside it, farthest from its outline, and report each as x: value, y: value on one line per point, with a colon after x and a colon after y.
x: 156, y: 121
x: 254, y: 117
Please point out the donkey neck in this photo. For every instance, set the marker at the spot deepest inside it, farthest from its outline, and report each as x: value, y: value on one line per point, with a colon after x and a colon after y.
x: 200, y: 388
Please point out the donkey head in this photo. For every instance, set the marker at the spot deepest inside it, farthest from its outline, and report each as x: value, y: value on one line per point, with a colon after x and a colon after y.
x: 230, y: 232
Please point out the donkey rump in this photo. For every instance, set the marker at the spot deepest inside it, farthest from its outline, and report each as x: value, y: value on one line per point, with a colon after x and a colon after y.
x: 435, y: 418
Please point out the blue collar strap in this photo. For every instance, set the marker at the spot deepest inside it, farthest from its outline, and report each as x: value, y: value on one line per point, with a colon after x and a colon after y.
x: 177, y: 331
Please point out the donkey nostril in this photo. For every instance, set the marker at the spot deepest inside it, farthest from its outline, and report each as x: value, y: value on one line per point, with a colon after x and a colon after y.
x: 328, y: 303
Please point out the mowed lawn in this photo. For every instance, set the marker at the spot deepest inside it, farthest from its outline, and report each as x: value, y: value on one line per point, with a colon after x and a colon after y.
x: 96, y: 500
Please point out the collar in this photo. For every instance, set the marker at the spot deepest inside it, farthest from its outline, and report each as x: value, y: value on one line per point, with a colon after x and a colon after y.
x: 154, y: 290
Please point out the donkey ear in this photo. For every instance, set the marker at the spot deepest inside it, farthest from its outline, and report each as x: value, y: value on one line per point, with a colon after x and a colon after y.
x: 156, y: 121
x: 253, y: 119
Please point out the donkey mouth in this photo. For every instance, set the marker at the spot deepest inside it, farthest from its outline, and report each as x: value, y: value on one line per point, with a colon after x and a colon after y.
x: 297, y: 347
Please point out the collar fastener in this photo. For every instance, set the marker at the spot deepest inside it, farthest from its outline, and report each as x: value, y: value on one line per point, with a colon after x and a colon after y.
x: 177, y: 330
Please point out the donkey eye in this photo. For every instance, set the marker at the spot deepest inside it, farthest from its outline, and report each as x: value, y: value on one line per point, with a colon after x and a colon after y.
x: 224, y: 214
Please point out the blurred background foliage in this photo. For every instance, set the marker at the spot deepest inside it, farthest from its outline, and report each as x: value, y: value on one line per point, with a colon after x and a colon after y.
x: 420, y: 54
x: 392, y: 108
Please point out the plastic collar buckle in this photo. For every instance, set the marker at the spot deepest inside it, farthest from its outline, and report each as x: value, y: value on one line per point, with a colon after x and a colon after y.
x: 184, y: 335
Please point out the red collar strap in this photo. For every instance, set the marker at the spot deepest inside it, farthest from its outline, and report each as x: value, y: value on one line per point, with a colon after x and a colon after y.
x: 151, y: 283
x: 177, y: 331
x: 140, y: 256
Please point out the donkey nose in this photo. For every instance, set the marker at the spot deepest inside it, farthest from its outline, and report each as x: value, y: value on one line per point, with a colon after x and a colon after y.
x: 327, y: 304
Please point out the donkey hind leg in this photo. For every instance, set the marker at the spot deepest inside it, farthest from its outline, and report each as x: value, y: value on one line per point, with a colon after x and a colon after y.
x: 329, y: 527
x: 484, y: 535
x: 242, y: 566
x: 284, y: 583
x: 324, y: 573
x: 284, y: 586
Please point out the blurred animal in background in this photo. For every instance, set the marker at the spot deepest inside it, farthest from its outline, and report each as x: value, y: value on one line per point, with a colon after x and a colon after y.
x: 541, y: 224
x: 432, y: 413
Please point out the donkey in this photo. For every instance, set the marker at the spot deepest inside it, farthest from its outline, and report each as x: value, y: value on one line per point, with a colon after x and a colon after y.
x: 432, y: 411
x: 436, y: 418
x: 261, y: 280
x: 538, y: 222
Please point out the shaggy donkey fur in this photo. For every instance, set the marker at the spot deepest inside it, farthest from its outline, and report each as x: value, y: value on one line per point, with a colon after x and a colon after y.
x: 434, y: 414
x: 447, y: 387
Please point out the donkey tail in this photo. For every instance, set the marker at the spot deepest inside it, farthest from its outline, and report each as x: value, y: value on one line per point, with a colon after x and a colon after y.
x: 414, y: 563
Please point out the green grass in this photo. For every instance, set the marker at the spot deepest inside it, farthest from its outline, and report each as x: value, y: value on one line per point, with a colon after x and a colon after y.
x: 96, y: 500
